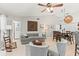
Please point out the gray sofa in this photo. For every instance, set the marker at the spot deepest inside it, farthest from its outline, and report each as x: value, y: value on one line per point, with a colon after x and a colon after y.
x: 30, y: 37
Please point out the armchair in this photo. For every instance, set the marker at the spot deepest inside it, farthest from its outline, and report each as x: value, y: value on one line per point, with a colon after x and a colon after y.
x: 36, y: 50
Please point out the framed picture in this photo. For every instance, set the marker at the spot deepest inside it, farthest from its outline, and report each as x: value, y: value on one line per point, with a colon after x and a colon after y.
x: 32, y: 26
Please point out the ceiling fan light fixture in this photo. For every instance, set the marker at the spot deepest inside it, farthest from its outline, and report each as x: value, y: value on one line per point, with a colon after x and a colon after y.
x: 51, y: 8
x: 48, y: 9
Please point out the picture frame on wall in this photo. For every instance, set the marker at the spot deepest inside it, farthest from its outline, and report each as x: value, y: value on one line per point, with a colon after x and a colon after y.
x: 32, y: 25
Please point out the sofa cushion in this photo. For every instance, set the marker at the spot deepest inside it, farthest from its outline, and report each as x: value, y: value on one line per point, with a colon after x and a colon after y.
x: 32, y: 34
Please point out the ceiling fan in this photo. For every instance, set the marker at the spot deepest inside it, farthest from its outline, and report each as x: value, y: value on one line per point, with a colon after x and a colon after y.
x: 50, y: 6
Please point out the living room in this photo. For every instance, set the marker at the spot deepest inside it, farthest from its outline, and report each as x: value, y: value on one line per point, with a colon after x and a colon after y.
x: 32, y: 31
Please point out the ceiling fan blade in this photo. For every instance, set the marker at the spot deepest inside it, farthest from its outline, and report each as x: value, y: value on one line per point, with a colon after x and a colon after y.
x: 43, y: 10
x: 42, y: 5
x: 58, y: 5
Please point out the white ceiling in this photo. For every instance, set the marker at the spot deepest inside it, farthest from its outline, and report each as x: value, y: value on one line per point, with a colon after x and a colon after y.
x: 32, y: 9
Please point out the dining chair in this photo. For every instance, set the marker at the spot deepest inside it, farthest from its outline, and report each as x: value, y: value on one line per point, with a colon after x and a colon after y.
x: 57, y: 35
x: 76, y: 43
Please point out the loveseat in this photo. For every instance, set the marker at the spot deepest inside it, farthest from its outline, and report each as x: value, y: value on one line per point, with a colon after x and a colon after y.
x: 25, y: 39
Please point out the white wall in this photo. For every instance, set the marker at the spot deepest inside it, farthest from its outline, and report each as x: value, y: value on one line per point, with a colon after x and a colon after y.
x: 47, y: 20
